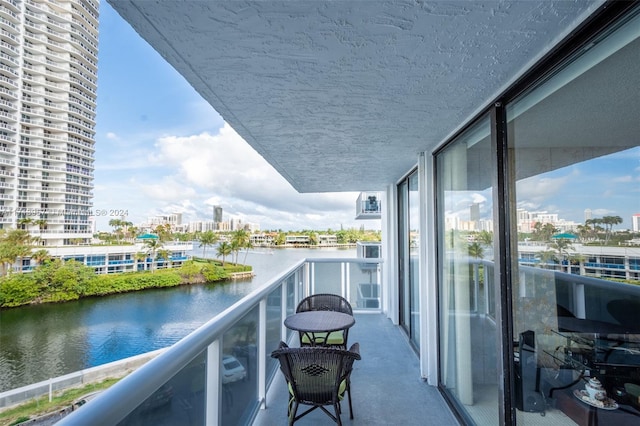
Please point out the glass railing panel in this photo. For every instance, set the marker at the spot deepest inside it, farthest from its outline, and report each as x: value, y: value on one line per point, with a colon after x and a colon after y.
x: 273, y: 328
x: 290, y: 283
x: 179, y: 401
x: 326, y: 277
x: 364, y: 289
x: 238, y: 371
x: 488, y: 289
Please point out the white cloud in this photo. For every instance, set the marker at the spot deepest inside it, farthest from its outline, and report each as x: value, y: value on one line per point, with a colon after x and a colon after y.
x: 602, y: 212
x: 537, y: 189
x: 167, y: 190
x: 217, y: 161
x: 190, y: 174
x: 623, y: 179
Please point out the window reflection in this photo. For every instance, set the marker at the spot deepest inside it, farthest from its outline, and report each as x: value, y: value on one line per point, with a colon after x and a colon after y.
x: 468, y: 362
x: 575, y: 147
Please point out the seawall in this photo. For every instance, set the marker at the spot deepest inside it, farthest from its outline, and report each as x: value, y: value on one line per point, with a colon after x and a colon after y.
x: 116, y: 369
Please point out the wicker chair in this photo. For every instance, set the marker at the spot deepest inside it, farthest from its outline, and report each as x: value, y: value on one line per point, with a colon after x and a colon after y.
x: 318, y: 377
x: 325, y: 302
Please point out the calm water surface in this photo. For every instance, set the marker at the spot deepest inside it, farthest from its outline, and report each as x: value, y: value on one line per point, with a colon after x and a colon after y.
x: 39, y: 342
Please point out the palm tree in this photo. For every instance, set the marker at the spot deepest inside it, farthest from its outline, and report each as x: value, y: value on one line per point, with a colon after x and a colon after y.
x: 141, y: 257
x: 127, y: 228
x: 163, y: 231
x: 208, y: 238
x: 8, y: 256
x: 235, y: 248
x: 584, y: 231
x: 41, y: 256
x: 42, y: 224
x: 545, y: 257
x: 153, y: 245
x: 165, y: 255
x: 543, y: 232
x: 485, y: 238
x: 476, y: 250
x: 24, y: 222
x: 248, y: 245
x: 224, y: 249
x: 562, y: 246
x: 117, y: 227
x: 239, y: 240
x: 596, y: 226
x: 609, y: 222
x: 14, y: 245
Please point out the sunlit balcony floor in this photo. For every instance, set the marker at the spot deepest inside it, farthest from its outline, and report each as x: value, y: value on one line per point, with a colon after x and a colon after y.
x: 386, y: 384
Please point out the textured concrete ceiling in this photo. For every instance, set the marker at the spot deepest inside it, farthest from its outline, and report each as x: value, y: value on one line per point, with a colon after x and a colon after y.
x: 343, y: 95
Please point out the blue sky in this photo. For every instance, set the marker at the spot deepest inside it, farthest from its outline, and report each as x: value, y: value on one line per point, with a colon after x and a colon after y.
x: 608, y: 186
x: 160, y: 149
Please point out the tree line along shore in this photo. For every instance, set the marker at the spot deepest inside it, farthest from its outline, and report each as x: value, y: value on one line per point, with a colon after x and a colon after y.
x: 55, y: 280
x: 58, y: 281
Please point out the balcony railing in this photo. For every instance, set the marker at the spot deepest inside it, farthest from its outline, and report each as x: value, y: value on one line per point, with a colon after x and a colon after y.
x: 192, y: 370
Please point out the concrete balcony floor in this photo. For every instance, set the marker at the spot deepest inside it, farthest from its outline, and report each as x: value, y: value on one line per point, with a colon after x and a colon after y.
x: 386, y: 385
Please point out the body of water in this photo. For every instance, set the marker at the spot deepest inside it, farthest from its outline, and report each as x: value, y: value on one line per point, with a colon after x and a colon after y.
x: 44, y: 341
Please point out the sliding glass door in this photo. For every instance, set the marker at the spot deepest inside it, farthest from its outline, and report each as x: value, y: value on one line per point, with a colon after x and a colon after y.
x: 409, y: 240
x: 468, y: 359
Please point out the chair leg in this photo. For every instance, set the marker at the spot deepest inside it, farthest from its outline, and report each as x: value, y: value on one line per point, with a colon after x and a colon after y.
x: 349, y: 396
x: 292, y: 412
x: 336, y: 407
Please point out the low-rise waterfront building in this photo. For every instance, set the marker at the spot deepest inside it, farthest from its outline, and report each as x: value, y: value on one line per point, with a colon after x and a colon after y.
x: 295, y: 240
x: 263, y: 239
x: 593, y: 261
x: 121, y: 258
x: 327, y: 240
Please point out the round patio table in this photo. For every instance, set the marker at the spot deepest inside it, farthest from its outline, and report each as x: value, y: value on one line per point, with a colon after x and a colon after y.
x: 310, y: 322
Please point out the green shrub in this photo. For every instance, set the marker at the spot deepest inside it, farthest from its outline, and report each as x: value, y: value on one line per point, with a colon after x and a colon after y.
x: 214, y: 273
x: 190, y: 269
x: 17, y: 290
x: 70, y: 277
x: 59, y: 281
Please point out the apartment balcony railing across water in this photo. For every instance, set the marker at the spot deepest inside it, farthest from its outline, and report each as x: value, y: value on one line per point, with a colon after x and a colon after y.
x: 180, y: 387
x: 180, y: 382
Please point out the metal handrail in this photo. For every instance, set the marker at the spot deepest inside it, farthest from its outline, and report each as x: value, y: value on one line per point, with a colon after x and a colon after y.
x: 111, y: 407
x: 117, y: 402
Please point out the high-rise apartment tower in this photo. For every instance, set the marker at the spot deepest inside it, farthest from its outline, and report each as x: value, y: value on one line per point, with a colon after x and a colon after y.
x: 217, y: 214
x: 48, y: 83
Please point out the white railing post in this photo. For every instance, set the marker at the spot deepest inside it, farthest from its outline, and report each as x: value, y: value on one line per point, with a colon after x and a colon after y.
x: 262, y: 349
x: 311, y: 283
x: 344, y: 270
x: 297, y: 286
x: 580, y: 301
x: 213, y: 394
x: 283, y: 309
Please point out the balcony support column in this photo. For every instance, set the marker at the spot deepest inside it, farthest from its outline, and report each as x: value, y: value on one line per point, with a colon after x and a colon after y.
x: 579, y: 301
x: 344, y: 285
x: 262, y: 349
x: 284, y: 306
x: 213, y: 389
